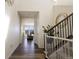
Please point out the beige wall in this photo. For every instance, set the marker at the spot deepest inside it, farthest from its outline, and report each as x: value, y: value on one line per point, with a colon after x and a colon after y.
x: 63, y: 2
x: 58, y: 9
x: 26, y: 21
x: 13, y: 35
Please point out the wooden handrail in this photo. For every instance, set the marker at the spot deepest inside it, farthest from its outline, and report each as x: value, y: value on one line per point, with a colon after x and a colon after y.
x: 59, y: 35
x: 59, y: 22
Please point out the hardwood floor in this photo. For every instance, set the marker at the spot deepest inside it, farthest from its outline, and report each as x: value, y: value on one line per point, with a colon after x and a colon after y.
x: 27, y: 50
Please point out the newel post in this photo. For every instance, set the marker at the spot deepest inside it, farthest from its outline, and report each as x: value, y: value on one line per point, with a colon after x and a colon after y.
x: 45, y: 45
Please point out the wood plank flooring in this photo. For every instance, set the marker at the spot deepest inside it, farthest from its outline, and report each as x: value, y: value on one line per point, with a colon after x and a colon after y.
x: 27, y: 50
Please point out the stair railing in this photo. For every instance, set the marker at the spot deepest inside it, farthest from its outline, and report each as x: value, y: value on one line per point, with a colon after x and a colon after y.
x: 58, y: 48
x: 58, y: 36
x: 63, y: 29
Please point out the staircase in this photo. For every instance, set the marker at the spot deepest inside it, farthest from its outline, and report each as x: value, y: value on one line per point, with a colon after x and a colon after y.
x: 58, y: 41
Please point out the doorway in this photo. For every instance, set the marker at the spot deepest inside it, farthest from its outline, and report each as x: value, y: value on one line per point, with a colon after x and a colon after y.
x: 29, y: 25
x: 29, y: 31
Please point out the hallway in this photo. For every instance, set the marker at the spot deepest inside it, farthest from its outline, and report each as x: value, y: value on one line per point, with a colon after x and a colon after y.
x: 28, y: 50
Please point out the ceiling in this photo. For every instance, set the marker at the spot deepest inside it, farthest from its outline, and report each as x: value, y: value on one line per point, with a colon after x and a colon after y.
x: 28, y: 14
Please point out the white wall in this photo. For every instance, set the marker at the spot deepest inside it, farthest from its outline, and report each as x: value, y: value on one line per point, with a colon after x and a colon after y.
x: 26, y: 21
x: 12, y: 40
x: 44, y: 7
x: 63, y: 2
x: 36, y: 19
x: 58, y: 9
